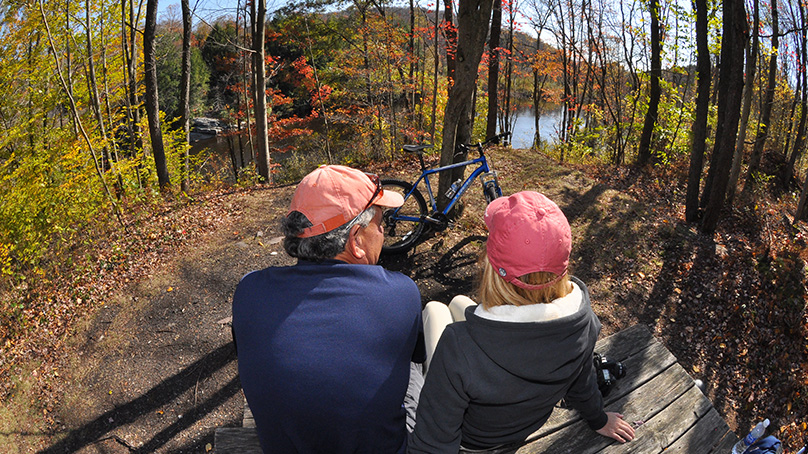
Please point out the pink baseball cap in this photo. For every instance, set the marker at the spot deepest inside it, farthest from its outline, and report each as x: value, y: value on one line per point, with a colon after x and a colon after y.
x: 527, y: 233
x: 331, y: 196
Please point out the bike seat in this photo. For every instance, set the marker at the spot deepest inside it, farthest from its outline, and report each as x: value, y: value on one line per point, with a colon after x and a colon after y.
x: 416, y: 148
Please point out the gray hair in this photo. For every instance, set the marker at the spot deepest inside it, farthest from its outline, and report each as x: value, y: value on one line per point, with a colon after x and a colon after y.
x: 321, y: 247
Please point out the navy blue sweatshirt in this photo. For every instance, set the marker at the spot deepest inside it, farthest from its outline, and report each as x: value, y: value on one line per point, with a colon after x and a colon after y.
x: 324, y: 353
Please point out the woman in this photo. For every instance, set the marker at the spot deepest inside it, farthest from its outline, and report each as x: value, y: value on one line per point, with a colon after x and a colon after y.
x: 495, y: 378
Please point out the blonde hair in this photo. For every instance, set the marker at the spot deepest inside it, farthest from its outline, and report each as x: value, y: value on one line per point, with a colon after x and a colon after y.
x: 495, y: 291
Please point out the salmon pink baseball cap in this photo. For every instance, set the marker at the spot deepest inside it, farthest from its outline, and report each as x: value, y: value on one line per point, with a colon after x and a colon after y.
x: 527, y: 233
x: 331, y: 196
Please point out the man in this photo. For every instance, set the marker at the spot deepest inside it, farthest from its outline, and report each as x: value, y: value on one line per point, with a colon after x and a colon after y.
x: 325, y: 346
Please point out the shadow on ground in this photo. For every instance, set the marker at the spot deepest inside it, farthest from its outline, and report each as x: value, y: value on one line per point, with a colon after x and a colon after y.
x: 101, y: 428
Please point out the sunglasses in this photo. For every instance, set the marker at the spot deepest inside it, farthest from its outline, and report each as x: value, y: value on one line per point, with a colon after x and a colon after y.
x: 378, y: 192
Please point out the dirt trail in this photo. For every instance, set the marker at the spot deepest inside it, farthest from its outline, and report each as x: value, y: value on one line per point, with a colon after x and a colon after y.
x: 154, y: 370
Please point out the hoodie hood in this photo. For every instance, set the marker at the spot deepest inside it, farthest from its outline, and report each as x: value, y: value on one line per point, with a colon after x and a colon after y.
x: 560, y: 346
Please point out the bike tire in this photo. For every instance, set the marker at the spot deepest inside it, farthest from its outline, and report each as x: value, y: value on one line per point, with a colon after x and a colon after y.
x: 491, y: 192
x: 400, y: 235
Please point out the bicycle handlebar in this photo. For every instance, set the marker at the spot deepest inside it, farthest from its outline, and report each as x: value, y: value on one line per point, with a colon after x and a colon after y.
x: 493, y: 140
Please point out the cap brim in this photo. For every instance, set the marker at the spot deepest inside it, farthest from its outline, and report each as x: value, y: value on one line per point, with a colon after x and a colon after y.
x: 390, y: 199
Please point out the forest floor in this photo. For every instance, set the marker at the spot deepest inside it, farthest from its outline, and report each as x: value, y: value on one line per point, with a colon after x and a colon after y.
x: 127, y: 347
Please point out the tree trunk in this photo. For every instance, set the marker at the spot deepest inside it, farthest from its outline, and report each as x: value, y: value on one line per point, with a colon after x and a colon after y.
x: 566, y: 120
x: 699, y: 137
x: 436, y: 73
x: 766, y: 112
x: 130, y: 54
x: 538, y: 92
x: 152, y: 97
x: 451, y: 42
x: 802, y: 206
x: 69, y: 67
x: 799, y: 141
x: 749, y: 87
x: 247, y: 81
x: 92, y: 81
x: 493, y: 69
x: 259, y: 91
x: 506, y: 125
x: 473, y: 18
x: 644, y: 151
x: 185, y: 92
x: 735, y: 35
x: 413, y: 60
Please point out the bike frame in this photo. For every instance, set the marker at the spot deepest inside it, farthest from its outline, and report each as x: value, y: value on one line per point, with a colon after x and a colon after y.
x: 425, y: 173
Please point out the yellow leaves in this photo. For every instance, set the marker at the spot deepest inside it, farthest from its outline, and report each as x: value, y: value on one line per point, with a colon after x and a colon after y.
x: 5, y: 259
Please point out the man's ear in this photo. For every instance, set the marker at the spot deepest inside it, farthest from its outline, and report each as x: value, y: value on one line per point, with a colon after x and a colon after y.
x: 355, y: 246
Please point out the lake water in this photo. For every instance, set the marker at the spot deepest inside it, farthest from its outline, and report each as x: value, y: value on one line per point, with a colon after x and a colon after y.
x: 522, y: 137
x: 524, y: 127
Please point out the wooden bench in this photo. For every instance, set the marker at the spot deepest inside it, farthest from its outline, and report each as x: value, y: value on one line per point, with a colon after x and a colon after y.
x: 657, y: 396
x: 235, y: 440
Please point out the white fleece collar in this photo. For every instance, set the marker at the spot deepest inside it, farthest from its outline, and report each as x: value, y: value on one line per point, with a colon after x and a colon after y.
x: 558, y: 308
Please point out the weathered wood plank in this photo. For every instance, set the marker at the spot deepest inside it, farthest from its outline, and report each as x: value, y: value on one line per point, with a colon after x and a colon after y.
x: 667, y: 426
x: 248, y: 420
x: 726, y: 443
x: 709, y: 432
x: 657, y: 392
x: 625, y: 343
x: 649, y: 360
x: 236, y: 440
x: 642, y: 367
x: 640, y: 405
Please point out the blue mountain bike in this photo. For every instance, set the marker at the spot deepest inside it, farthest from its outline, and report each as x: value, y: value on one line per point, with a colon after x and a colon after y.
x: 404, y: 225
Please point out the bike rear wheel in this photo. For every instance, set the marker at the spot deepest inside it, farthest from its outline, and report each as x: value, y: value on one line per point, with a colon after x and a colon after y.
x: 402, y: 234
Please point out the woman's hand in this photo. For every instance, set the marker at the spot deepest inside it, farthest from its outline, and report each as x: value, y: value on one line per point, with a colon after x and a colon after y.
x: 617, y: 428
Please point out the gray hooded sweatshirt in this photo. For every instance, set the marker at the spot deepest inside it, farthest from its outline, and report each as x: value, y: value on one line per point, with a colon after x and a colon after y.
x: 493, y: 383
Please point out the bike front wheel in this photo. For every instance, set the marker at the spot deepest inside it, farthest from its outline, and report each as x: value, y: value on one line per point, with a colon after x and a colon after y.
x: 491, y: 190
x: 403, y: 226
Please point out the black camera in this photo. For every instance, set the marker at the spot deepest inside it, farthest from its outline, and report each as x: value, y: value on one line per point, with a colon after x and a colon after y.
x: 607, y: 372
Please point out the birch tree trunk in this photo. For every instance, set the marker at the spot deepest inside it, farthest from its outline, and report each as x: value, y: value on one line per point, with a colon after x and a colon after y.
x: 259, y: 91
